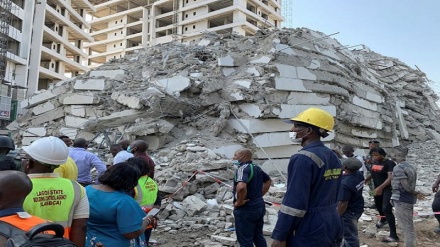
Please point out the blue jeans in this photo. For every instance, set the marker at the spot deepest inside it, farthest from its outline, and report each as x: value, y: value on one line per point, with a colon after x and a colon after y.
x: 350, y: 222
x: 249, y: 227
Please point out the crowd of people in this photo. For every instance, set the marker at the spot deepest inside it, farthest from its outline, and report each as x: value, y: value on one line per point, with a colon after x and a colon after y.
x: 111, y: 210
x: 321, y: 207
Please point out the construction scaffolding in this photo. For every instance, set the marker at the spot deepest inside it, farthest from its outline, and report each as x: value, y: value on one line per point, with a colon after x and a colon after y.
x: 5, y: 21
x: 286, y: 12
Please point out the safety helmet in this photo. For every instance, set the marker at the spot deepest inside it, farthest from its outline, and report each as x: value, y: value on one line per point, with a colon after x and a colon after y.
x: 48, y: 150
x: 7, y: 142
x: 316, y: 117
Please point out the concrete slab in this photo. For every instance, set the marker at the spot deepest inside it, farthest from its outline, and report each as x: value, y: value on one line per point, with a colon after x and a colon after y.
x: 289, y: 111
x: 90, y: 84
x: 130, y: 101
x: 314, y: 64
x: 287, y: 71
x: 35, y: 132
x: 252, y: 110
x: 277, y: 152
x: 282, y: 48
x: 70, y: 132
x: 364, y: 103
x: 263, y: 60
x: 48, y: 116
x: 228, y: 71
x: 78, y: 110
x: 259, y: 126
x: 305, y: 74
x: 243, y: 83
x: 227, y: 61
x: 75, y: 122
x: 42, y: 108
x: 296, y: 98
x: 174, y: 85
x: 253, y: 71
x: 272, y: 166
x: 374, y: 97
x: 81, y: 99
x: 290, y: 84
x: 38, y: 98
x: 107, y: 73
x: 26, y: 141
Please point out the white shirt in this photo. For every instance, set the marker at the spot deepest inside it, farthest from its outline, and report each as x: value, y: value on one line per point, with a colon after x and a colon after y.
x: 121, y: 157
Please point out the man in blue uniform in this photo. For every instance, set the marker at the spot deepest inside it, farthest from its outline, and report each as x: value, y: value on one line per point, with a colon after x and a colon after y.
x: 308, y: 216
x: 350, y: 200
x: 250, y: 184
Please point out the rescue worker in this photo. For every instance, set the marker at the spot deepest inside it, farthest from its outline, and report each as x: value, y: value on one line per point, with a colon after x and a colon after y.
x: 250, y: 185
x: 53, y: 198
x: 14, y: 187
x: 7, y: 161
x: 308, y: 216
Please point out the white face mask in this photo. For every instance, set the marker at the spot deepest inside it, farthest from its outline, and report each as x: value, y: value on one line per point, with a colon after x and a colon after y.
x: 294, y: 139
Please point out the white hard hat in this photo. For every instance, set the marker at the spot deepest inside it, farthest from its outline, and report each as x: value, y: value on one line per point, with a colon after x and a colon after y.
x: 48, y: 150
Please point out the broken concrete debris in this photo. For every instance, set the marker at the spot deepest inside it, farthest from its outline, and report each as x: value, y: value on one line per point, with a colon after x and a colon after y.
x: 197, y: 104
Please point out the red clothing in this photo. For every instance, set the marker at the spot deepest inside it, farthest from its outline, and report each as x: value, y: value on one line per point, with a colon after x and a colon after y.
x: 150, y: 162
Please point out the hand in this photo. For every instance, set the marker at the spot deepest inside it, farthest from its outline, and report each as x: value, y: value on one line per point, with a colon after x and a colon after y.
x: 378, y: 191
x: 435, y: 187
x: 152, y: 221
x: 240, y: 203
x: 277, y: 243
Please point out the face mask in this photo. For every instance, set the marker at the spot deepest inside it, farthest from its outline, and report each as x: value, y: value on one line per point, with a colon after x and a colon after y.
x: 236, y: 162
x: 294, y: 139
x: 129, y: 149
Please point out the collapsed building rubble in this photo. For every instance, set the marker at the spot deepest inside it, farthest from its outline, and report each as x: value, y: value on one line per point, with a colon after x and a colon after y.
x: 196, y: 104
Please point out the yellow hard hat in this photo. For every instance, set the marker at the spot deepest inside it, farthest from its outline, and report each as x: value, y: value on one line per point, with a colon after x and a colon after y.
x: 316, y: 117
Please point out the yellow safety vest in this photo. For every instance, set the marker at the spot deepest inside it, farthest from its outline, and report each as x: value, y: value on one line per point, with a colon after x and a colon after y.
x: 54, y: 199
x: 146, y: 191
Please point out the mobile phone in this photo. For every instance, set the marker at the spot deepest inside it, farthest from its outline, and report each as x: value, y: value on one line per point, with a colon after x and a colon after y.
x: 154, y: 212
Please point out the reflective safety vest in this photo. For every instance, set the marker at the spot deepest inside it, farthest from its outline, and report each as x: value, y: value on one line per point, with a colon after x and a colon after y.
x: 54, y: 199
x: 24, y: 224
x: 146, y: 192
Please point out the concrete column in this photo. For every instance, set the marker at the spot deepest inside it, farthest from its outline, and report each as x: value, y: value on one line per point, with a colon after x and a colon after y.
x: 36, y: 42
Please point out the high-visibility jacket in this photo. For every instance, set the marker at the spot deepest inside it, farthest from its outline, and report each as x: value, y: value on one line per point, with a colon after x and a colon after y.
x: 146, y: 193
x: 55, y: 199
x: 24, y: 224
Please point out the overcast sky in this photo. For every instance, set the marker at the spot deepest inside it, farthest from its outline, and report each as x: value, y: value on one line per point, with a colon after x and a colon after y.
x: 405, y: 29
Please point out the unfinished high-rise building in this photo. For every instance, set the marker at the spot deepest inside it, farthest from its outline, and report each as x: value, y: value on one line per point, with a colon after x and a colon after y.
x: 120, y: 26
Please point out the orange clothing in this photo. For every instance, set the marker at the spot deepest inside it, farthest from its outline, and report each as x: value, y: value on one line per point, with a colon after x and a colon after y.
x: 24, y: 224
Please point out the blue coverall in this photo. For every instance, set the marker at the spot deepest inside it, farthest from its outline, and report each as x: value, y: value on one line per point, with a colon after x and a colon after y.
x: 308, y: 216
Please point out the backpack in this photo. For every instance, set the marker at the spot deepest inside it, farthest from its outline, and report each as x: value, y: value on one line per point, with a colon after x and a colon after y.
x: 35, y: 236
x: 7, y: 164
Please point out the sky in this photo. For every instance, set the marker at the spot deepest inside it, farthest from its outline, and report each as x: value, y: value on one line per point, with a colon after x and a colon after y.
x: 405, y: 29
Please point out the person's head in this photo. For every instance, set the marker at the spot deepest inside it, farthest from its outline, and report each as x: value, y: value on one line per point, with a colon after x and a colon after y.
x: 351, y: 164
x: 242, y: 155
x: 115, y: 149
x: 310, y: 125
x: 122, y: 177
x: 400, y: 153
x: 141, y: 164
x: 14, y: 187
x: 124, y: 144
x: 348, y: 150
x: 138, y: 146
x: 6, y: 145
x: 373, y: 144
x: 44, y: 155
x: 80, y: 143
x: 378, y: 154
x: 66, y: 140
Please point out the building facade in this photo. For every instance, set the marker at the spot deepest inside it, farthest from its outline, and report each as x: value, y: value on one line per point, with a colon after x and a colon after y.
x: 120, y: 26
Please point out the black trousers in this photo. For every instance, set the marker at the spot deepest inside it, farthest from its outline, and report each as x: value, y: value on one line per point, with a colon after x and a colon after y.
x: 436, y: 206
x: 384, y: 207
